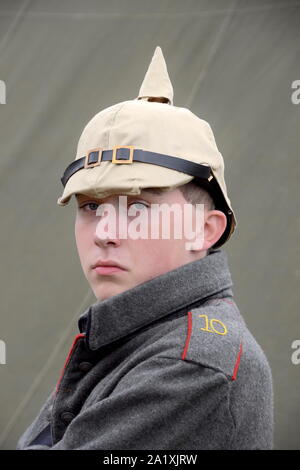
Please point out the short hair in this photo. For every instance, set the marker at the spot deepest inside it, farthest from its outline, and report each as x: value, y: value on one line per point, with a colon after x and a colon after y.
x: 195, y: 194
x: 192, y: 192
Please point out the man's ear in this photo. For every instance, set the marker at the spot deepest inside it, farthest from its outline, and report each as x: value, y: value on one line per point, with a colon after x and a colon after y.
x: 215, y: 223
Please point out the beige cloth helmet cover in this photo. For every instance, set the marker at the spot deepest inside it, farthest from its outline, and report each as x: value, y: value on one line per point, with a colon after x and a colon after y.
x: 149, y: 125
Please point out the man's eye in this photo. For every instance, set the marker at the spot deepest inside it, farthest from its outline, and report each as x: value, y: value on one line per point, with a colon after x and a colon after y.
x: 138, y: 205
x: 90, y: 206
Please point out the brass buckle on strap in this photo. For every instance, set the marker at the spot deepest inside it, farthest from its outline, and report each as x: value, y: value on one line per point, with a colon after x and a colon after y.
x: 97, y: 163
x: 122, y: 161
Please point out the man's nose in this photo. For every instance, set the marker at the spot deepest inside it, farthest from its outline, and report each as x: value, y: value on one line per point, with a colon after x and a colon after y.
x: 107, y: 227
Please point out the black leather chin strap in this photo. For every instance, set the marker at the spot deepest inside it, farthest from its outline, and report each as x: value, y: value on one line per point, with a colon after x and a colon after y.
x: 128, y: 155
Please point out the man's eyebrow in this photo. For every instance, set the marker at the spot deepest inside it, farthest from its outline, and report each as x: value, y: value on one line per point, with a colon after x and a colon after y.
x: 84, y: 197
x: 156, y: 191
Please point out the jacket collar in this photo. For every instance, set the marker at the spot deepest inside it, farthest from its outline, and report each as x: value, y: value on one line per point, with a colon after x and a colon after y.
x: 111, y: 319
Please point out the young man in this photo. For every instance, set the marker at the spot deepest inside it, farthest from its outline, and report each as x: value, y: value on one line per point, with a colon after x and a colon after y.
x: 163, y: 360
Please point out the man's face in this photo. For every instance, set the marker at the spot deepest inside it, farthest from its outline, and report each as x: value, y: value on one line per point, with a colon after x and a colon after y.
x: 138, y: 260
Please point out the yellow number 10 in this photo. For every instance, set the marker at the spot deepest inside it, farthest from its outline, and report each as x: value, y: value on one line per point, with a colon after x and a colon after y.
x: 209, y: 326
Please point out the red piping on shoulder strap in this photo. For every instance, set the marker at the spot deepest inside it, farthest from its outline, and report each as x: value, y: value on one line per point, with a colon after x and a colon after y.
x: 236, y: 367
x: 77, y: 337
x: 187, y: 342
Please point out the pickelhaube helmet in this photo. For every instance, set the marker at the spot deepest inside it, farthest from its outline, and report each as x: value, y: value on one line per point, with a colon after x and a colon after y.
x: 147, y: 142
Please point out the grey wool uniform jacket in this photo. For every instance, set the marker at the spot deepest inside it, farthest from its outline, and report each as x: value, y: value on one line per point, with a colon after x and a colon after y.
x: 169, y: 364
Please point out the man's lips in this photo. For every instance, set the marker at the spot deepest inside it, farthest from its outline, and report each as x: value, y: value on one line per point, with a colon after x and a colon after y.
x: 107, y: 267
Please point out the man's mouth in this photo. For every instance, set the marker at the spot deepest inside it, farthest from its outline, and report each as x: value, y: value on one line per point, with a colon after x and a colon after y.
x: 107, y: 267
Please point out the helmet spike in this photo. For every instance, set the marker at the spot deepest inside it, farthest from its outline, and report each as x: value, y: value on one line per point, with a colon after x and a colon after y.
x: 157, y: 85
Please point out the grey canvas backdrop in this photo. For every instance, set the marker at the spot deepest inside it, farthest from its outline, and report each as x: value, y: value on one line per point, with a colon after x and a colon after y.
x: 233, y: 64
